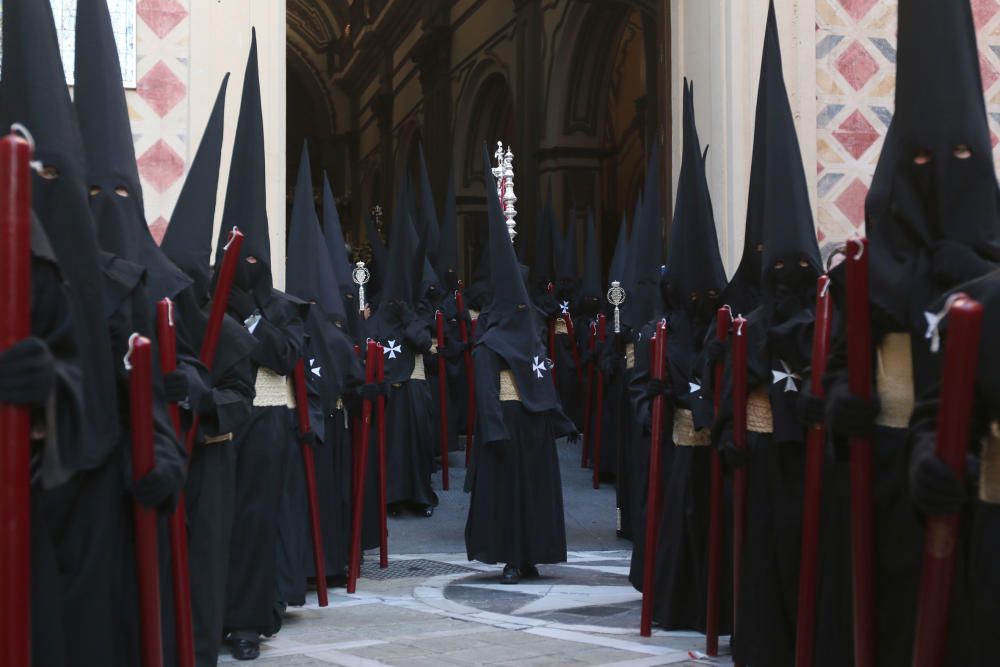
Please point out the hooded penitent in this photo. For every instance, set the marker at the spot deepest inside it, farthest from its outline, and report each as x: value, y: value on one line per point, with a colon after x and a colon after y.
x: 188, y: 239
x: 646, y: 255
x: 116, y: 200
x: 697, y: 276
x: 513, y: 328
x: 246, y: 198
x: 936, y: 180
x: 567, y: 265
x: 34, y: 93
x: 337, y: 250
x: 617, y: 269
x: 591, y: 286
x: 428, y: 214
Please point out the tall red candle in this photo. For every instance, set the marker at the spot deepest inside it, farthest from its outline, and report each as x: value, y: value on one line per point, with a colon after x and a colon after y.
x: 740, y: 440
x: 602, y: 329
x: 859, y: 380
x: 383, y: 545
x: 147, y: 567
x: 442, y: 399
x: 658, y: 348
x: 354, y: 567
x: 309, y: 467
x: 816, y: 439
x: 722, y: 320
x: 965, y: 319
x: 15, y: 421
x: 179, y: 568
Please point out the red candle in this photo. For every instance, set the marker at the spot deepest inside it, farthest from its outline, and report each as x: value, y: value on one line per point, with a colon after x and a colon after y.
x: 383, y: 545
x: 658, y: 348
x: 723, y: 318
x: 354, y: 568
x: 140, y: 365
x: 740, y: 440
x: 442, y: 399
x: 302, y: 411
x: 15, y: 421
x: 859, y: 379
x: 965, y: 318
x: 602, y: 332
x: 808, y: 560
x: 179, y: 568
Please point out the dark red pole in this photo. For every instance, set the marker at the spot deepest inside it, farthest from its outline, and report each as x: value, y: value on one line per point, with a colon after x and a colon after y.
x: 658, y: 348
x: 552, y: 340
x: 587, y: 397
x: 740, y: 439
x: 965, y: 319
x: 809, y: 555
x: 602, y: 326
x: 383, y: 545
x: 140, y: 366
x: 15, y: 421
x: 469, y: 372
x: 859, y: 379
x: 722, y: 320
x: 354, y: 568
x: 309, y: 467
x: 443, y: 400
x: 166, y: 336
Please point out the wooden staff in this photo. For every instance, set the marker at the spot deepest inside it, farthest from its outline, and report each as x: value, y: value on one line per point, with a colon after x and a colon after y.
x: 309, y: 467
x: 443, y: 399
x: 658, y: 347
x: 859, y: 379
x: 470, y: 373
x: 740, y: 440
x: 139, y: 363
x: 813, y: 485
x: 166, y: 336
x: 587, y: 398
x: 965, y: 319
x: 713, y: 604
x: 354, y: 568
x: 383, y: 545
x: 550, y: 288
x: 15, y: 421
x: 602, y: 325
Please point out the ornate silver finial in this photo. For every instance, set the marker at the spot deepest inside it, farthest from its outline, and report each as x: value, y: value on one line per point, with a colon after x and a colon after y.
x: 616, y: 297
x: 504, y: 175
x: 361, y: 276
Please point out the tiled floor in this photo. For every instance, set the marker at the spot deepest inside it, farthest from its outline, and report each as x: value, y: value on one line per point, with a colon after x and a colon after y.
x: 439, y: 609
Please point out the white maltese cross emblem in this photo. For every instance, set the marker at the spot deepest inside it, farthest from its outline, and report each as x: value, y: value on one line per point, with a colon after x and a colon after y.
x: 538, y: 366
x: 564, y: 307
x: 392, y: 349
x: 316, y: 370
x: 787, y: 376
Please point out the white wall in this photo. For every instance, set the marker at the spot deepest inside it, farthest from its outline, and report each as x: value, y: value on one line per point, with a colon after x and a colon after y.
x: 220, y: 42
x: 717, y: 44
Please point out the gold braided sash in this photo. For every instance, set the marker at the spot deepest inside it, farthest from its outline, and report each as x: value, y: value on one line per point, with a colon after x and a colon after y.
x: 419, y: 373
x: 684, y: 433
x: 989, y: 468
x: 759, y: 416
x: 272, y: 389
x: 508, y: 387
x: 630, y: 356
x: 560, y: 326
x: 894, y: 379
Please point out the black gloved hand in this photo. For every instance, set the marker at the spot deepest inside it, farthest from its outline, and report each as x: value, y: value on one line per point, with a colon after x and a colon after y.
x: 811, y: 407
x: 933, y: 485
x: 733, y: 457
x: 27, y: 372
x: 308, y: 438
x: 242, y: 303
x: 175, y: 384
x: 849, y: 415
x: 716, y: 350
x: 156, y: 487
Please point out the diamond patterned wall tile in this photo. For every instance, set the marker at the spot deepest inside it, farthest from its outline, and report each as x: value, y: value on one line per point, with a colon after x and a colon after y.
x: 162, y: 16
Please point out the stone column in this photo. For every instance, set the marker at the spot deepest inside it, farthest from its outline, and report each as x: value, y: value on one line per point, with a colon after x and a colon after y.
x: 432, y: 55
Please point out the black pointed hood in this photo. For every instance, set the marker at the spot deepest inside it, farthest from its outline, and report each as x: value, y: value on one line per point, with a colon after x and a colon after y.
x: 33, y: 92
x: 188, y: 239
x: 116, y: 200
x: 619, y: 260
x: 246, y: 195
x: 333, y: 234
x: 375, y: 240
x: 512, y: 329
x: 568, y: 266
x: 542, y: 270
x: 646, y: 257
x: 310, y: 274
x: 697, y: 275
x: 401, y: 279
x: 428, y: 211
x: 447, y: 254
x: 592, y: 285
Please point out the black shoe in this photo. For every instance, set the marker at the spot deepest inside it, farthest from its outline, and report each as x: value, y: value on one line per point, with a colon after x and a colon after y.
x: 428, y: 511
x: 529, y: 572
x: 510, y: 575
x: 244, y: 649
